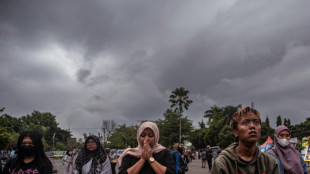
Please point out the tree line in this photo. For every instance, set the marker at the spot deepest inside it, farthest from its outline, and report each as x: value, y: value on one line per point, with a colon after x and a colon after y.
x: 53, y: 137
x: 173, y: 126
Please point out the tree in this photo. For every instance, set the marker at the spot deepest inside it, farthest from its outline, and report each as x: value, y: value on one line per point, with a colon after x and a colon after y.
x: 210, y: 113
x: 168, y: 126
x: 279, y: 120
x: 2, y: 109
x: 179, y: 100
x: 202, y: 124
x: 5, y: 138
x: 123, y: 137
x: 108, y: 126
x: 218, y: 132
x: 266, y: 130
x: 285, y: 122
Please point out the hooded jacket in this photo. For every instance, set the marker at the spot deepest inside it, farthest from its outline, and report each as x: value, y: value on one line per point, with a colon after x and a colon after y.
x: 228, y: 162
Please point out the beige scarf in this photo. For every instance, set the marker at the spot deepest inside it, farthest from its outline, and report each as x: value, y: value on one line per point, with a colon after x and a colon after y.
x: 137, y: 152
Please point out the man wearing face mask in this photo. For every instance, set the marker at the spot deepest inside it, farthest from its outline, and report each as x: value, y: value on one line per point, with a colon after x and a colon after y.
x: 177, y: 155
x: 30, y: 156
x: 289, y: 159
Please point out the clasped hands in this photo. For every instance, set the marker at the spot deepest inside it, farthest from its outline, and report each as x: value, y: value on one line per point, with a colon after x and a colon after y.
x: 147, y: 150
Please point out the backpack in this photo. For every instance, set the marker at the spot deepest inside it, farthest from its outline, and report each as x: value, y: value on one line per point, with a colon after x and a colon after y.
x: 204, y: 155
x: 182, y: 168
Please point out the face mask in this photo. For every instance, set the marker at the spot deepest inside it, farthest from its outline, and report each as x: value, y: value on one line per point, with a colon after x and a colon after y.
x: 283, y: 142
x: 28, y: 150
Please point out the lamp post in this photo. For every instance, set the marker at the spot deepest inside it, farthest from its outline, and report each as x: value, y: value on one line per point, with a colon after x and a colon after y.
x: 180, y: 129
x: 126, y: 140
x: 54, y: 140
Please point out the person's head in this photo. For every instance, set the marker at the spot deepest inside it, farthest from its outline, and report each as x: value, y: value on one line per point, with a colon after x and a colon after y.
x: 92, y: 143
x: 148, y: 131
x: 30, y: 144
x: 282, y: 135
x: 208, y: 147
x: 181, y: 145
x: 107, y: 150
x: 246, y: 125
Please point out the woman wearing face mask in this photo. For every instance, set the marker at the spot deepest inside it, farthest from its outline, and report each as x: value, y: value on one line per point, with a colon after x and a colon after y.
x: 92, y: 159
x: 149, y: 157
x: 289, y: 159
x: 30, y: 156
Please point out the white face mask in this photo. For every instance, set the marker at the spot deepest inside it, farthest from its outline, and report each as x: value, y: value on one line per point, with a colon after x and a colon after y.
x: 283, y: 142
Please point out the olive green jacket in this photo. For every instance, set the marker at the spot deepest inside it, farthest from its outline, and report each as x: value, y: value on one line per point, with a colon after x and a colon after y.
x: 228, y: 162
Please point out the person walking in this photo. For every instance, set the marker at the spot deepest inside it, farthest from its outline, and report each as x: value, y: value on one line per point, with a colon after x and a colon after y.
x: 209, y: 157
x: 92, y: 159
x: 180, y: 164
x: 244, y: 156
x: 67, y: 161
x: 30, y: 156
x: 203, y: 158
x: 149, y: 157
x: 289, y: 159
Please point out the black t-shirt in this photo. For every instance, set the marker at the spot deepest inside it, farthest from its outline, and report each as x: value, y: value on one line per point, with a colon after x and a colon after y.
x: 29, y: 168
x: 163, y: 157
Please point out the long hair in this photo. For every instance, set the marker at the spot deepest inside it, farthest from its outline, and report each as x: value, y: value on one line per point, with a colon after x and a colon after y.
x: 40, y: 156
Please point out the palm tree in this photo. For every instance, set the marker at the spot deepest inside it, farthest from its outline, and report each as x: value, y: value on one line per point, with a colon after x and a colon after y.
x: 179, y: 99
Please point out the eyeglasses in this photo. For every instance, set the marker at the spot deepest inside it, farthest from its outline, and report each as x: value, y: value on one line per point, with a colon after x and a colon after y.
x: 90, y: 142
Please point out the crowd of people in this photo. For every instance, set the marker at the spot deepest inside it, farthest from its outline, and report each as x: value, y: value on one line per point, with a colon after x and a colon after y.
x: 150, y: 157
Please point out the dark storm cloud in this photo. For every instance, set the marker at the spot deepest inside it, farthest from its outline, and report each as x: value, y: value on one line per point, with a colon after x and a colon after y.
x: 129, y: 56
x: 82, y: 74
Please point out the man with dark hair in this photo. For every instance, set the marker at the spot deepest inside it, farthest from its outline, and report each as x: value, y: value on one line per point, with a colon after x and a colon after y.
x: 180, y: 165
x: 244, y: 156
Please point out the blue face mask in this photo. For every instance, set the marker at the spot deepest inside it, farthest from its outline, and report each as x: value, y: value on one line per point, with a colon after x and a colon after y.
x: 28, y: 150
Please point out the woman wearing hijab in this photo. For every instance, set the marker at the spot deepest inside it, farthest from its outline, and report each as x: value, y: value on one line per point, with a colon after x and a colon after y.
x: 149, y: 157
x: 289, y: 159
x: 92, y: 159
x: 67, y: 161
x: 30, y: 156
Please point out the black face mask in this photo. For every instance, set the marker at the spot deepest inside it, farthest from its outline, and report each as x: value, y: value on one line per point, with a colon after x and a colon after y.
x: 180, y: 149
x: 28, y: 150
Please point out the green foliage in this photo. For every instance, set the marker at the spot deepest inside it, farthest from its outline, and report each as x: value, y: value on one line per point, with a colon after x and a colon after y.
x: 179, y: 100
x: 60, y: 146
x: 169, y: 128
x: 266, y: 131
x: 197, y: 137
x: 12, y: 124
x: 218, y: 132
x: 202, y: 124
x: 120, y: 135
x: 5, y: 138
x: 42, y: 122
x: 301, y: 130
x: 279, y: 120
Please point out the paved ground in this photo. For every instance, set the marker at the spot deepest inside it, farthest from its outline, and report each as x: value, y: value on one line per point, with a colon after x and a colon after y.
x: 194, y: 167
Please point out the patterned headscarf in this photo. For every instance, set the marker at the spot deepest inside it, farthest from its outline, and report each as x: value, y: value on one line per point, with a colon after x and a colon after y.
x: 98, y: 156
x: 289, y: 157
x: 137, y: 152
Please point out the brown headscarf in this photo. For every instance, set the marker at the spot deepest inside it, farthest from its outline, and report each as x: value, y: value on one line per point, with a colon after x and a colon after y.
x: 137, y: 152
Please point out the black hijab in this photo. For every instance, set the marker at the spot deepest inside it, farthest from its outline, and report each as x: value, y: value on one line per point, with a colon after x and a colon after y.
x: 98, y: 156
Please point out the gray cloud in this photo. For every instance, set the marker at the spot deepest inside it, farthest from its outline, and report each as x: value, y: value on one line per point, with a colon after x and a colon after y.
x: 130, y: 55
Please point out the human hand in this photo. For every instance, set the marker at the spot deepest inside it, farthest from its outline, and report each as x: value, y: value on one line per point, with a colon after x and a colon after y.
x: 147, y: 148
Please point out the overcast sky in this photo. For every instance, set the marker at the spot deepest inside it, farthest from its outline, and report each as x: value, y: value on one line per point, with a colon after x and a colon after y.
x: 85, y: 61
